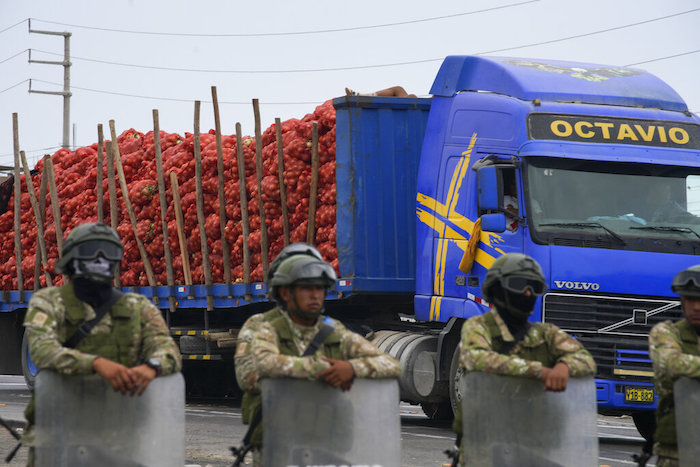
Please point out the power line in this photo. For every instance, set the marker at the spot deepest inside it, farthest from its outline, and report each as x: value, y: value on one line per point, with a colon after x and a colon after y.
x: 16, y: 24
x: 14, y: 86
x: 15, y: 55
x: 176, y: 99
x: 383, y: 65
x: 665, y: 58
x: 32, y: 150
x: 292, y: 33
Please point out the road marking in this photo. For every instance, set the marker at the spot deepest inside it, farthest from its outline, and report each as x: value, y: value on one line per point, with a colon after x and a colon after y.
x: 426, y: 436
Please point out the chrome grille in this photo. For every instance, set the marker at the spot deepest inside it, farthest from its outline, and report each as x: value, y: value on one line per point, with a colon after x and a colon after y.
x: 614, y: 329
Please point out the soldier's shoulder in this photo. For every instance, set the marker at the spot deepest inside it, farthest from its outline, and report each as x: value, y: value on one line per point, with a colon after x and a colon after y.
x: 47, y: 293
x: 665, y: 327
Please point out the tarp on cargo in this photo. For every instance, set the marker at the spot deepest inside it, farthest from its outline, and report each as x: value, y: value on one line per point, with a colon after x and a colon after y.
x: 309, y: 423
x: 511, y: 421
x: 686, y: 394
x: 82, y: 422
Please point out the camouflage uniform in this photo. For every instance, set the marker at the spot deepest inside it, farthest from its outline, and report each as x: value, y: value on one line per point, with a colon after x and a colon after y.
x: 366, y: 359
x: 544, y: 344
x: 260, y: 356
x: 675, y: 352
x: 133, y: 331
x: 246, y: 374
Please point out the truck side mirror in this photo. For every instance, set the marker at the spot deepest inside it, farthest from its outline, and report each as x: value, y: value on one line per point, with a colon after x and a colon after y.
x: 493, y: 222
x: 490, y: 188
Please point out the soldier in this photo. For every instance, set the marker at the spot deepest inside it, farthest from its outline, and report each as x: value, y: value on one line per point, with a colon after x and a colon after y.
x: 504, y: 342
x: 243, y: 359
x: 675, y: 352
x: 86, y: 326
x: 299, y: 343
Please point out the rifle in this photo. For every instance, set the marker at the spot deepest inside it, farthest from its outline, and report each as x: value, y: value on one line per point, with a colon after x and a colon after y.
x: 16, y: 435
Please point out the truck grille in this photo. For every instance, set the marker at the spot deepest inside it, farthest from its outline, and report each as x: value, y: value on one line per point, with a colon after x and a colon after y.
x: 614, y: 329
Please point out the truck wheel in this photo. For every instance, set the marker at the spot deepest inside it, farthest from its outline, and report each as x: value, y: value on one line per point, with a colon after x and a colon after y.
x: 455, y: 377
x: 646, y: 423
x: 29, y: 370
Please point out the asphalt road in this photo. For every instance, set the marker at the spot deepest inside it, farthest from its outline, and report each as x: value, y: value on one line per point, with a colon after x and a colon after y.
x: 213, y: 427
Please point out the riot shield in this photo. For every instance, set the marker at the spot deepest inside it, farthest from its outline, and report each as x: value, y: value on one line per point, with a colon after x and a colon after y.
x: 686, y: 395
x: 511, y: 421
x: 82, y: 422
x: 309, y: 423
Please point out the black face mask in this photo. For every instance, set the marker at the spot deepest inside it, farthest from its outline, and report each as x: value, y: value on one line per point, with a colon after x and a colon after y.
x: 514, y: 308
x: 94, y: 293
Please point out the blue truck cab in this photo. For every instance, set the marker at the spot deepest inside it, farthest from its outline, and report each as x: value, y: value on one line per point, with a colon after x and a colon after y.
x: 602, y: 167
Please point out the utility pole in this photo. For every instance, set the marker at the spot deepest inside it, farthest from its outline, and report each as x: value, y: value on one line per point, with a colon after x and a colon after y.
x: 66, y: 79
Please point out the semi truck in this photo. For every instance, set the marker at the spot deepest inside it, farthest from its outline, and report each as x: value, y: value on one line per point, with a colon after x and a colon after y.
x: 592, y: 170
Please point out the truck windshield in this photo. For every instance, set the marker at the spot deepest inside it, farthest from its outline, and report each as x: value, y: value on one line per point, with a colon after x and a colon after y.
x: 621, y: 203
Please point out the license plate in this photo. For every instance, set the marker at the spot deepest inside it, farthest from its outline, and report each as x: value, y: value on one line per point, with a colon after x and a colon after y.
x: 639, y: 395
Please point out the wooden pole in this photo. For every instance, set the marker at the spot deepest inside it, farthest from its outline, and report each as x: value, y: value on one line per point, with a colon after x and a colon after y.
x: 113, y: 208
x: 17, y: 185
x: 98, y: 185
x: 259, y: 173
x: 42, y: 210
x: 283, y: 187
x: 184, y: 253
x: 38, y: 219
x: 130, y: 211
x: 200, y: 214
x: 55, y: 204
x: 163, y: 212
x: 244, y: 203
x: 222, y: 200
x: 313, y: 194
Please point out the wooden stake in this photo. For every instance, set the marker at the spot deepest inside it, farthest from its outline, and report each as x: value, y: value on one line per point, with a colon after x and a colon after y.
x: 313, y: 194
x: 113, y: 208
x: 163, y: 211
x: 200, y: 212
x: 283, y: 187
x: 259, y: 174
x: 129, y: 209
x: 222, y: 199
x: 42, y: 210
x: 244, y: 204
x: 17, y: 185
x: 98, y: 185
x: 37, y: 218
x: 55, y: 204
x: 184, y: 253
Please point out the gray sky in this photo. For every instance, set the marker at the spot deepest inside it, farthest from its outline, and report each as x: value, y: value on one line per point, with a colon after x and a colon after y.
x: 259, y: 49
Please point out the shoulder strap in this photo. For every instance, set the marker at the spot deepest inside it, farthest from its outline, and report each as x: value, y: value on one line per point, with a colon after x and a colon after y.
x: 87, y: 326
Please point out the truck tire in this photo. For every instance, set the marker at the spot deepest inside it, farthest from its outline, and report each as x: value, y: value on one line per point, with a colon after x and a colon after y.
x: 646, y: 423
x: 455, y: 376
x: 29, y: 370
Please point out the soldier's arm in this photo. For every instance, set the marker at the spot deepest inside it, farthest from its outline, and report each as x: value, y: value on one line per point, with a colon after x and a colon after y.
x: 44, y: 345
x: 270, y: 363
x: 572, y: 352
x: 476, y: 354
x: 246, y: 374
x: 366, y: 359
x: 156, y: 340
x: 668, y: 357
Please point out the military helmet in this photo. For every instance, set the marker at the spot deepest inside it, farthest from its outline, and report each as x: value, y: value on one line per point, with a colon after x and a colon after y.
x: 687, y: 282
x: 86, y: 242
x: 299, y: 248
x: 516, y: 273
x: 302, y: 269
